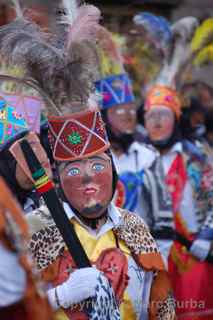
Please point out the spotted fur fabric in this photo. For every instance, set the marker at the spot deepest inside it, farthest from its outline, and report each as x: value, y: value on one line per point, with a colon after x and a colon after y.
x: 166, y: 309
x: 135, y: 233
x: 47, y: 244
x: 104, y: 305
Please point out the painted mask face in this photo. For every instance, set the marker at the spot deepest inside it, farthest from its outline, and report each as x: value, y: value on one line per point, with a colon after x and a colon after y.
x: 87, y: 184
x: 159, y: 123
x: 123, y: 118
x: 23, y: 174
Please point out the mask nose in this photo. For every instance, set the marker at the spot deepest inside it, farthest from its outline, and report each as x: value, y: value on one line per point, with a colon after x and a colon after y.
x: 87, y: 178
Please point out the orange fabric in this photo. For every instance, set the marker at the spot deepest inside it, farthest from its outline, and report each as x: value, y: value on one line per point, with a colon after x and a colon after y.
x: 51, y: 272
x: 150, y: 261
x: 35, y: 306
x: 163, y: 96
x: 160, y: 291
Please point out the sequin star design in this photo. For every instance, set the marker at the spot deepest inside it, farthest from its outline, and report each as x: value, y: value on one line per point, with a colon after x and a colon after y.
x: 74, y: 138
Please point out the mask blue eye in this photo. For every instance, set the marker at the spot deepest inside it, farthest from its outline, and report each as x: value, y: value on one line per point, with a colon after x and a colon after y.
x: 98, y: 167
x: 73, y: 172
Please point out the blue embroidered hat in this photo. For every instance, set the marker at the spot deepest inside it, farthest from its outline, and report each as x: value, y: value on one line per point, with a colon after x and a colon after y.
x: 115, y: 90
x: 12, y: 124
x: 113, y: 86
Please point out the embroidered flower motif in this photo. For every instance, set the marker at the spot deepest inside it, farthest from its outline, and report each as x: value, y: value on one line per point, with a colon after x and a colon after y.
x: 74, y: 138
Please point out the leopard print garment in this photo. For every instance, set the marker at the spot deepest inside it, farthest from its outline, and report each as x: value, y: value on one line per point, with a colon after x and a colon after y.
x: 47, y: 244
x: 135, y: 233
x: 166, y: 309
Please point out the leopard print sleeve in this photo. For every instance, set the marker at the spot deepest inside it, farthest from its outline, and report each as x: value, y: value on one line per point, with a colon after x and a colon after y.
x: 162, y: 302
x: 46, y: 245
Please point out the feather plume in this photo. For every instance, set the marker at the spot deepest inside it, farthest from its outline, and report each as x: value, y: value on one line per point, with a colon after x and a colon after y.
x: 187, y: 42
x: 180, y: 51
x: 110, y: 55
x: 203, y: 35
x: 84, y: 73
x: 65, y: 72
x: 69, y: 8
x: 205, y: 56
x: 185, y: 28
x: 23, y: 43
x: 85, y: 26
x: 155, y: 30
x: 18, y: 9
x: 173, y: 43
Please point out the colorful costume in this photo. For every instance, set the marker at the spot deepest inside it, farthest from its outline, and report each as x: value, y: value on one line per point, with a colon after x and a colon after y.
x: 20, y: 288
x: 116, y: 92
x: 20, y: 106
x: 177, y: 183
x: 124, y: 258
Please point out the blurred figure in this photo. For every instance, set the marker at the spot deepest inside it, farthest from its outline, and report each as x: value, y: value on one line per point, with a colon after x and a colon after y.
x: 119, y: 112
x: 192, y: 122
x: 12, y: 167
x: 178, y: 186
x: 21, y: 293
x: 209, y: 128
x: 205, y: 94
x: 141, y: 134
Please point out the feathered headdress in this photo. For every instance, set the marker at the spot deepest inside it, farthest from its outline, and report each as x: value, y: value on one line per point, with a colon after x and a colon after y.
x: 65, y: 72
x: 114, y: 84
x: 202, y: 43
x: 62, y: 63
x: 178, y: 45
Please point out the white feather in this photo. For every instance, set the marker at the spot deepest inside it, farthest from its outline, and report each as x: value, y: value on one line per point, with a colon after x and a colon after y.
x: 183, y: 31
x: 17, y: 7
x: 70, y: 8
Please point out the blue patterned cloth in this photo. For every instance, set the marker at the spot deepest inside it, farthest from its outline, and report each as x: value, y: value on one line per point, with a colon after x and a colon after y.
x: 12, y: 125
x: 132, y: 183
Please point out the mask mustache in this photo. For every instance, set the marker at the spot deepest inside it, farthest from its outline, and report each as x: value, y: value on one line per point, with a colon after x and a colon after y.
x: 90, y: 210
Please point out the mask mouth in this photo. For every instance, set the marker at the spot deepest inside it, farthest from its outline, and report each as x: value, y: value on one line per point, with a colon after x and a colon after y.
x: 88, y: 212
x: 161, y: 143
x: 168, y: 142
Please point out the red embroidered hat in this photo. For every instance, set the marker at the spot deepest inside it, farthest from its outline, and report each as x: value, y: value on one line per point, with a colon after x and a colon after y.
x: 77, y: 136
